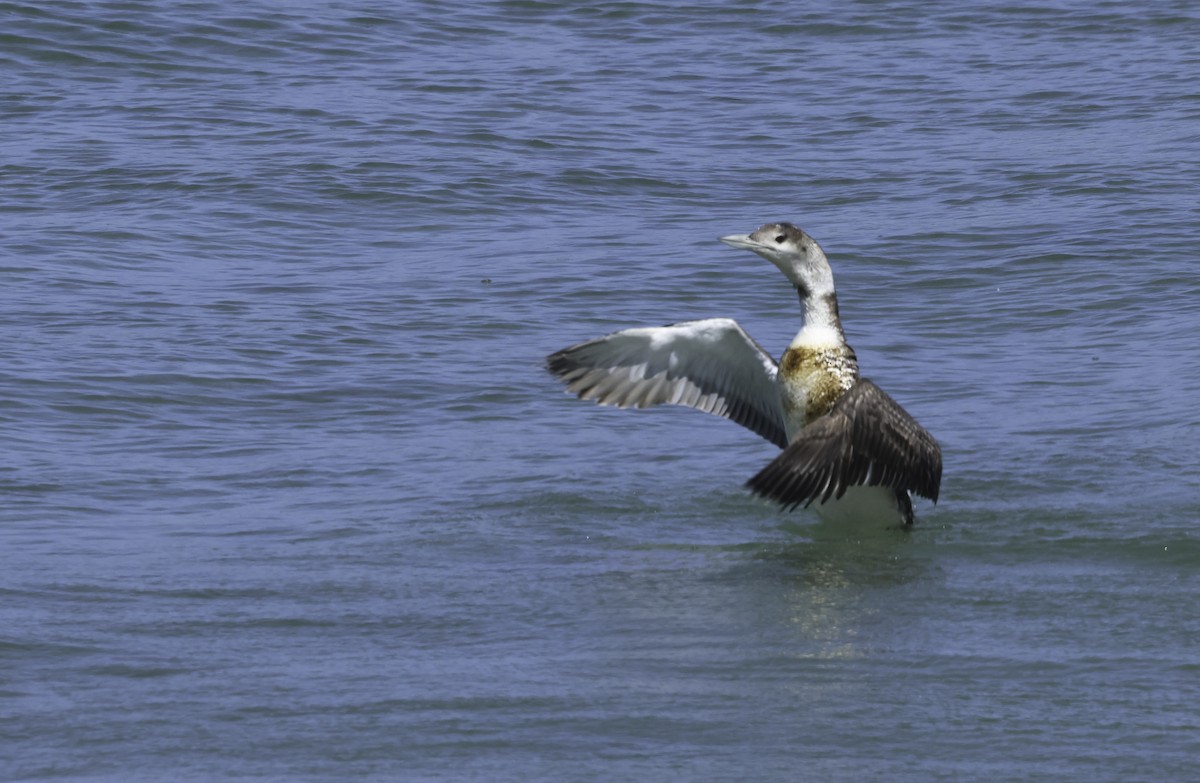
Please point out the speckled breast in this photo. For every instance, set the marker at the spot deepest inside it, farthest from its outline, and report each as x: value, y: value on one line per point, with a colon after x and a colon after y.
x: 813, y: 379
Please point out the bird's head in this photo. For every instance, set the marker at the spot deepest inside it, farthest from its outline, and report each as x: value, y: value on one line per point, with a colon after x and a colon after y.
x: 796, y: 254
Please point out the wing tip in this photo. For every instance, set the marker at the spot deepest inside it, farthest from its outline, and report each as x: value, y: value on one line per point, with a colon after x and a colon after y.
x: 557, y: 363
x: 774, y: 485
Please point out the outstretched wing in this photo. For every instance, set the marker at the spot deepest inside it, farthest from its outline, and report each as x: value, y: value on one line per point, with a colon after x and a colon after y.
x: 710, y: 365
x: 866, y: 438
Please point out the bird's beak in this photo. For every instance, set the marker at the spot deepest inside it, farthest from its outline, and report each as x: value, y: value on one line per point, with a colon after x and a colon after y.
x: 740, y: 240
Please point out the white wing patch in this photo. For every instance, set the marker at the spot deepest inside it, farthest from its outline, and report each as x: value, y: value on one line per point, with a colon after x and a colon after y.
x: 711, y: 365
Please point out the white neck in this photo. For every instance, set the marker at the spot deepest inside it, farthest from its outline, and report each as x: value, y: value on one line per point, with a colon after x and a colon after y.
x: 811, y: 275
x: 822, y: 326
x: 807, y: 268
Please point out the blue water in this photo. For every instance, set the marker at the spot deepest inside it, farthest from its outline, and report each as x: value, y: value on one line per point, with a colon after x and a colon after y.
x: 286, y: 494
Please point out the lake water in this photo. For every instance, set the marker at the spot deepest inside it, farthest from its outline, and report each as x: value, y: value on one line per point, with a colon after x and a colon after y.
x: 286, y: 493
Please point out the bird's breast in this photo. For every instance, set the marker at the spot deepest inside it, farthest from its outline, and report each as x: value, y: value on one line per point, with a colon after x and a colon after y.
x: 812, y: 379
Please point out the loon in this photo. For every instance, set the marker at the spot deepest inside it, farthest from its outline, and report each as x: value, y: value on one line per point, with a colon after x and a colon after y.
x: 847, y: 446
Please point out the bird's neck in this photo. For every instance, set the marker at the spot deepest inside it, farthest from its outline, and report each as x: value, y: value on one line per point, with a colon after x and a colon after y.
x: 822, y: 326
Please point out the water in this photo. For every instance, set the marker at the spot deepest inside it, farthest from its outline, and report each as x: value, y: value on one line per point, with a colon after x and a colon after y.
x: 287, y: 495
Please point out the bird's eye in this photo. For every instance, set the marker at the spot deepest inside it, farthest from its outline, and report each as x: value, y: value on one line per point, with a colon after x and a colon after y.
x: 779, y: 239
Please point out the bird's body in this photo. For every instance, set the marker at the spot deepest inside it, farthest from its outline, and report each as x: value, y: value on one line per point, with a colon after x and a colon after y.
x: 847, y: 446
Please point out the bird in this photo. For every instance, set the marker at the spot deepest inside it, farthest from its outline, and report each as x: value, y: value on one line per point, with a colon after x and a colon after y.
x: 848, y: 449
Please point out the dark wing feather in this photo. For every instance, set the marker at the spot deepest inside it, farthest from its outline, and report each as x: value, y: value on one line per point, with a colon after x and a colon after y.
x: 710, y: 365
x: 866, y: 438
